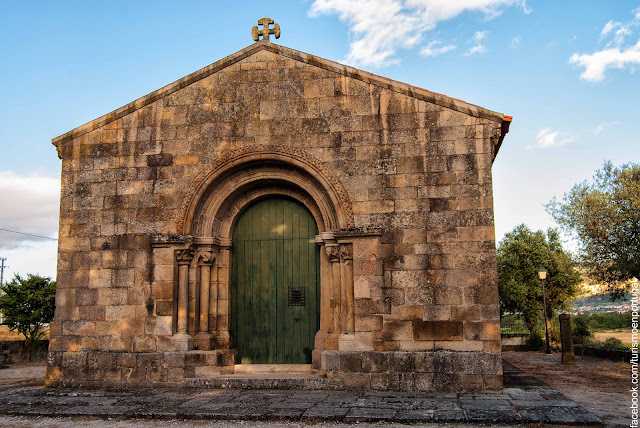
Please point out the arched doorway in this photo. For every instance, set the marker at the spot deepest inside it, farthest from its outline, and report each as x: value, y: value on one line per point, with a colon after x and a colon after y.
x: 275, y: 283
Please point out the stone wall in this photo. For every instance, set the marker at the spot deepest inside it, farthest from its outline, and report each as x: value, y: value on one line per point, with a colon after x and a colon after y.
x: 134, y: 369
x: 413, y: 165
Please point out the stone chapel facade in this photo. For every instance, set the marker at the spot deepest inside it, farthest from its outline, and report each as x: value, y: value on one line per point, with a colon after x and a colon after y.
x: 279, y: 208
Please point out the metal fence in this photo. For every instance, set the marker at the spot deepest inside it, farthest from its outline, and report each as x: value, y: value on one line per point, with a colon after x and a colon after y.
x: 513, y: 324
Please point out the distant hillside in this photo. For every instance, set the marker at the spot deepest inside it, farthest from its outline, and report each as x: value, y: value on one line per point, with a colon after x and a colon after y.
x: 602, y: 303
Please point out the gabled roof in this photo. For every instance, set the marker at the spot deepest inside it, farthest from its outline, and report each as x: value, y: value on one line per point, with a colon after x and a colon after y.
x: 384, y: 82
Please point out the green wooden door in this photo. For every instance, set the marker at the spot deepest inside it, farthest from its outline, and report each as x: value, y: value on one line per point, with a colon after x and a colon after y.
x: 275, y: 280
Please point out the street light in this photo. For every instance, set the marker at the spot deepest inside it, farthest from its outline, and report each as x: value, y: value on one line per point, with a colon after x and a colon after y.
x: 542, y: 274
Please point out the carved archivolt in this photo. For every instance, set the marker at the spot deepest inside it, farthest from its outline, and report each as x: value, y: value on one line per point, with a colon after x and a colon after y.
x: 270, y: 164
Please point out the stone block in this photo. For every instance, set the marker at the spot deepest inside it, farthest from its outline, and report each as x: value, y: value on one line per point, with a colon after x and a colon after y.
x: 437, y: 330
x: 112, y: 296
x: 397, y: 330
x: 403, y: 362
x: 350, y: 362
x: 481, y: 330
x: 162, y: 290
x: 405, y: 313
x: 330, y: 360
x: 175, y: 374
x: 208, y: 371
x: 384, y: 381
x: 492, y: 346
x: 85, y: 297
x: 466, y: 313
x: 159, y: 325
x: 99, y: 278
x: 164, y: 308
x: 459, y: 345
x: 368, y: 323
x: 438, y: 313
x: 413, y: 345
x: 372, y: 306
x: 375, y: 362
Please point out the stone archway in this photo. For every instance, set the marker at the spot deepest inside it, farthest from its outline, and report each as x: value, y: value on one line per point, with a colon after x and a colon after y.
x: 203, y: 255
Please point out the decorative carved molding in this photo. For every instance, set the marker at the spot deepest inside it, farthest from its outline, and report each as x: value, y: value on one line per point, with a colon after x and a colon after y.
x: 333, y: 251
x: 207, y: 256
x: 352, y: 232
x: 171, y: 240
x: 495, y: 138
x: 346, y: 252
x: 285, y: 154
x: 184, y: 256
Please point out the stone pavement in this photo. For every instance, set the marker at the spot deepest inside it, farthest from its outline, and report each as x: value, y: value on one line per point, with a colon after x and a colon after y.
x: 524, y: 400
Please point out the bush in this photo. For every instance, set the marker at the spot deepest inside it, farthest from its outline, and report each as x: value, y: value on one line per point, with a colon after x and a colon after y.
x: 535, y: 341
x: 580, y: 331
x: 613, y: 343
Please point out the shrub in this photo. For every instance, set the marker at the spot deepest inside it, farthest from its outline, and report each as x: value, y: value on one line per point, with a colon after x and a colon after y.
x: 535, y: 341
x: 580, y: 331
x: 613, y: 343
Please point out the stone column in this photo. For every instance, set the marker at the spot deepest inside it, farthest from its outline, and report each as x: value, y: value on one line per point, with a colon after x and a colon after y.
x: 566, y: 339
x: 183, y: 340
x: 347, y: 340
x: 326, y: 316
x: 223, y: 338
x: 346, y: 274
x: 332, y: 250
x: 203, y: 339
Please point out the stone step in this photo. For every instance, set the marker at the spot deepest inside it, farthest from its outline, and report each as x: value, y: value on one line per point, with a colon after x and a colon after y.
x: 260, y: 381
x: 257, y: 369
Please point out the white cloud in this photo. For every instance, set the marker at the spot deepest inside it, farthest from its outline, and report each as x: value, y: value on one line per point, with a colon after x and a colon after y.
x: 477, y: 49
x: 480, y: 35
x: 597, y: 63
x: 30, y: 205
x: 547, y: 138
x: 602, y: 126
x: 615, y: 54
x: 608, y: 28
x: 515, y: 42
x: 432, y: 50
x: 380, y: 27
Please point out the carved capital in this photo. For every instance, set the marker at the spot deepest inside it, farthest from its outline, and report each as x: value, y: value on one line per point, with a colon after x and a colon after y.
x: 346, y: 252
x: 184, y: 256
x: 205, y: 257
x: 333, y: 251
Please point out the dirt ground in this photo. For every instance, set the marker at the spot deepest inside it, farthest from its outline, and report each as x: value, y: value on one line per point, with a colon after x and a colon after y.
x: 601, y: 386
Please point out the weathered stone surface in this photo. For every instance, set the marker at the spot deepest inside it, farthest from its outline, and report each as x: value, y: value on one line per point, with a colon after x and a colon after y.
x: 398, y: 179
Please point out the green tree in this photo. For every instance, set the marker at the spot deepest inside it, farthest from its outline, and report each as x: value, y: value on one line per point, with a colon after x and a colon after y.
x: 520, y: 254
x: 605, y: 217
x: 27, y: 305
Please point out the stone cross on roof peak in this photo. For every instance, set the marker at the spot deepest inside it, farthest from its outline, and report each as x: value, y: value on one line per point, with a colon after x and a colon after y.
x: 265, y: 31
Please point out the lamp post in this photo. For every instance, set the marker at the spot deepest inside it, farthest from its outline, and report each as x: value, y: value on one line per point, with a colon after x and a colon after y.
x: 542, y: 274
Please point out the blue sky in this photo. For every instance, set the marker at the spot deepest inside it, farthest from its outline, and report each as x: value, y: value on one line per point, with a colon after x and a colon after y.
x: 566, y: 71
